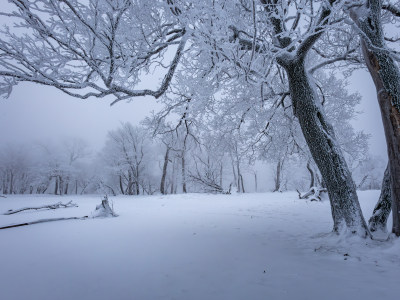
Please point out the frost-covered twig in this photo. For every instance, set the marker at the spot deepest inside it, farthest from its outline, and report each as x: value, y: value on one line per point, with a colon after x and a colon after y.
x: 51, y: 206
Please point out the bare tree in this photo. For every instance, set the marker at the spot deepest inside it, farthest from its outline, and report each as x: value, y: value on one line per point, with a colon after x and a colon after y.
x: 126, y: 151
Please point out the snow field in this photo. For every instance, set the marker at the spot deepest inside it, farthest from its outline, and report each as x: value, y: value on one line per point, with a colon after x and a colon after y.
x: 194, y: 246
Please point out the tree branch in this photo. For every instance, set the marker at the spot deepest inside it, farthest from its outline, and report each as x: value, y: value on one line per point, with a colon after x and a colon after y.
x: 51, y: 206
x: 392, y: 9
x: 165, y: 83
x: 323, y: 20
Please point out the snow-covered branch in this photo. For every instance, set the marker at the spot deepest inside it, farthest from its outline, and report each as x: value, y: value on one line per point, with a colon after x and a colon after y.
x: 51, y: 206
x: 89, y: 50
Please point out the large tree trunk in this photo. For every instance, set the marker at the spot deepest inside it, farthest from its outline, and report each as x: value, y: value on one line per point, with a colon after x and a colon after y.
x: 164, y: 172
x: 61, y: 185
x: 278, y: 177
x: 137, y: 186
x: 56, y: 185
x: 321, y: 140
x: 239, y: 177
x: 382, y: 209
x: 11, y: 183
x: 121, y: 187
x: 130, y: 184
x: 183, y: 172
x: 235, y: 180
x: 386, y: 76
x: 66, y: 188
x: 242, y: 183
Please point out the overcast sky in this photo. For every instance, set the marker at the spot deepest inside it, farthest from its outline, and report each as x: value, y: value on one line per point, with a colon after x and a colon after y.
x: 36, y: 112
x: 39, y: 113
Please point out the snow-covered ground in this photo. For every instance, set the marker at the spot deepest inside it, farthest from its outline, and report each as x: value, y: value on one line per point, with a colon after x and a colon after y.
x: 194, y: 246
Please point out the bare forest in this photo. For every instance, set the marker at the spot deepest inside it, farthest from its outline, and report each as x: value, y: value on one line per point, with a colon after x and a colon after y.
x: 246, y: 86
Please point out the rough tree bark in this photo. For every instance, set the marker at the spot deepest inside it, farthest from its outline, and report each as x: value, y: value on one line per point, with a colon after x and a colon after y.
x: 321, y: 140
x: 386, y: 76
x: 381, y: 212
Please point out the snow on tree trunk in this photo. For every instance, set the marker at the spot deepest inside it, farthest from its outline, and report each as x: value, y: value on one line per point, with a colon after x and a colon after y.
x: 321, y: 140
x: 386, y: 76
x: 381, y: 212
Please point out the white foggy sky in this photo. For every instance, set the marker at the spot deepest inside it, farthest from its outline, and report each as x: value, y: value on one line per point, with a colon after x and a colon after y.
x: 36, y: 112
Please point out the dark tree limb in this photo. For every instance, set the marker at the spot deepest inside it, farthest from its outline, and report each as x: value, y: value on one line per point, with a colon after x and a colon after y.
x: 43, y: 221
x: 392, y: 9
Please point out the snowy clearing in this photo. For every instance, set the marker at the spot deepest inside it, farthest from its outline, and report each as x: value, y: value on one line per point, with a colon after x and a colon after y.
x: 194, y: 246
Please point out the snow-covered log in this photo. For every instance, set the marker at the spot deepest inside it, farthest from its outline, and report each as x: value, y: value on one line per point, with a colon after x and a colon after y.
x: 103, y: 210
x: 313, y: 194
x: 51, y: 206
x: 43, y: 221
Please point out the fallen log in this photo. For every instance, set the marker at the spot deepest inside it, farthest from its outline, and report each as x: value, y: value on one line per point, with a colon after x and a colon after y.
x: 102, y: 211
x: 43, y: 221
x: 51, y: 206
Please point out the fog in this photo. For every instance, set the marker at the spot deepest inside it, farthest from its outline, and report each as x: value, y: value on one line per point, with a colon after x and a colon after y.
x: 34, y: 112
